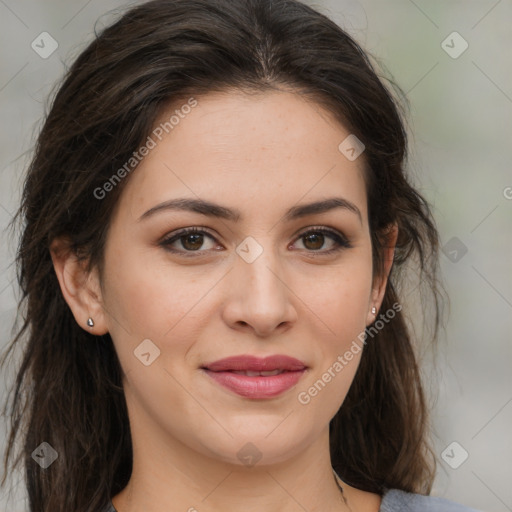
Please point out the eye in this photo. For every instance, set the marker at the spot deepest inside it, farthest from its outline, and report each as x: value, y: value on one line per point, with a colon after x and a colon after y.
x: 188, y: 240
x: 314, y: 239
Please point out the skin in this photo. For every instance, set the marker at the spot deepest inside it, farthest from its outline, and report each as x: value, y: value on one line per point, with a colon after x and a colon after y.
x: 260, y: 154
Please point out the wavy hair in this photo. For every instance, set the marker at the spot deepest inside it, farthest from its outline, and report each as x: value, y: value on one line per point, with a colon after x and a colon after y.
x: 68, y: 388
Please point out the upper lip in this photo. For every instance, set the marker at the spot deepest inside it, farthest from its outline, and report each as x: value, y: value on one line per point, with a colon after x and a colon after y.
x: 255, y: 364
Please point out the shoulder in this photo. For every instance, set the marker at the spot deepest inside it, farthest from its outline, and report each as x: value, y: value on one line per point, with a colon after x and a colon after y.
x: 400, y: 501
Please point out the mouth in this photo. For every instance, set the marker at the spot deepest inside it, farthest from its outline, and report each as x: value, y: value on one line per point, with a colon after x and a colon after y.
x: 248, y: 363
x: 249, y: 373
x: 256, y: 378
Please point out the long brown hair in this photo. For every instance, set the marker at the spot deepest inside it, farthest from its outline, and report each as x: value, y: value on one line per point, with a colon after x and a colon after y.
x: 68, y: 389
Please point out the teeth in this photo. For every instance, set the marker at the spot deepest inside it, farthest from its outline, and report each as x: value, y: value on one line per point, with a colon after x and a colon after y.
x: 257, y: 374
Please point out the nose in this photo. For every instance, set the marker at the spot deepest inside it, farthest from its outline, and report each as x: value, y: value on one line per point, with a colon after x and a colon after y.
x: 260, y: 296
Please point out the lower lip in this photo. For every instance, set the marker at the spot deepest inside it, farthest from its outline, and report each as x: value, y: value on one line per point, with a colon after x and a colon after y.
x: 257, y: 387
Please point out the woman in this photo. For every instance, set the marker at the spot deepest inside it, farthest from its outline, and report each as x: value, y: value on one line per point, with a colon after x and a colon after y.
x: 217, y: 224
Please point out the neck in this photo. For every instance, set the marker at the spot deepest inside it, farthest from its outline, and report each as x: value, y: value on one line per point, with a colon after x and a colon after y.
x: 186, y: 480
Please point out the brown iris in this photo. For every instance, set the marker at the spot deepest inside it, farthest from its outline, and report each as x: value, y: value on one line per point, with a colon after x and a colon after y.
x: 196, y: 241
x: 317, y: 240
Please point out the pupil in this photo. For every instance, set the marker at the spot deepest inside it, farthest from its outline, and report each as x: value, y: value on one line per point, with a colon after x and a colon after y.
x: 196, y: 241
x: 315, y: 237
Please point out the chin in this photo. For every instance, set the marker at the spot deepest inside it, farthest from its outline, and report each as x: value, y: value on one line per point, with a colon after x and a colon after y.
x: 261, y: 447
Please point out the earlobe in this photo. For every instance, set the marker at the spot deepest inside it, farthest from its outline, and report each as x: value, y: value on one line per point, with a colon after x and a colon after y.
x: 80, y: 288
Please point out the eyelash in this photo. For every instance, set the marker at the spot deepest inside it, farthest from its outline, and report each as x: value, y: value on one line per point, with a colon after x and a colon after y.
x: 341, y: 241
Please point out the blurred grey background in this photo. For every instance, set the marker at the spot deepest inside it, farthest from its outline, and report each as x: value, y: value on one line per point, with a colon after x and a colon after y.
x: 453, y: 60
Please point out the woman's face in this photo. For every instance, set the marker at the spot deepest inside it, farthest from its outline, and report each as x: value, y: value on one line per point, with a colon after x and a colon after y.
x: 263, y: 276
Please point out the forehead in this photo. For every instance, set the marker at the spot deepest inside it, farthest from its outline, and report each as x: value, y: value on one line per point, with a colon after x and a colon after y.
x: 246, y: 149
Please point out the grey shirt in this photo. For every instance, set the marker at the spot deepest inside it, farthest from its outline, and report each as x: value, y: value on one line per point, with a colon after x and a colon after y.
x: 399, y: 501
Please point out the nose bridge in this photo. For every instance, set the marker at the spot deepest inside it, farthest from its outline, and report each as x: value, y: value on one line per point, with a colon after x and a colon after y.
x: 259, y: 286
x: 261, y: 268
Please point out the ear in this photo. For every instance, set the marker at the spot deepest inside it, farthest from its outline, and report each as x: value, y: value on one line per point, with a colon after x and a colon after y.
x: 380, y: 282
x: 81, y: 289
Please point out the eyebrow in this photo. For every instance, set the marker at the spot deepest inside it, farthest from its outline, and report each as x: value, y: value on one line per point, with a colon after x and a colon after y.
x: 211, y: 209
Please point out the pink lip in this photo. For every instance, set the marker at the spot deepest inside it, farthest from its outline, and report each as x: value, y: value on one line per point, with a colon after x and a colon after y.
x: 259, y: 386
x: 256, y: 364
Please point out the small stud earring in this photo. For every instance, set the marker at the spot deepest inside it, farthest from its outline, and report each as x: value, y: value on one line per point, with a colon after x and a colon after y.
x: 374, y: 310
x: 90, y: 322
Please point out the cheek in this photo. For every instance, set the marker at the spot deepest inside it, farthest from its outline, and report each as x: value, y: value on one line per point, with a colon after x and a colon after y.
x: 155, y: 303
x: 148, y: 300
x: 338, y: 333
x: 339, y: 296
x: 149, y: 296
x: 340, y: 302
